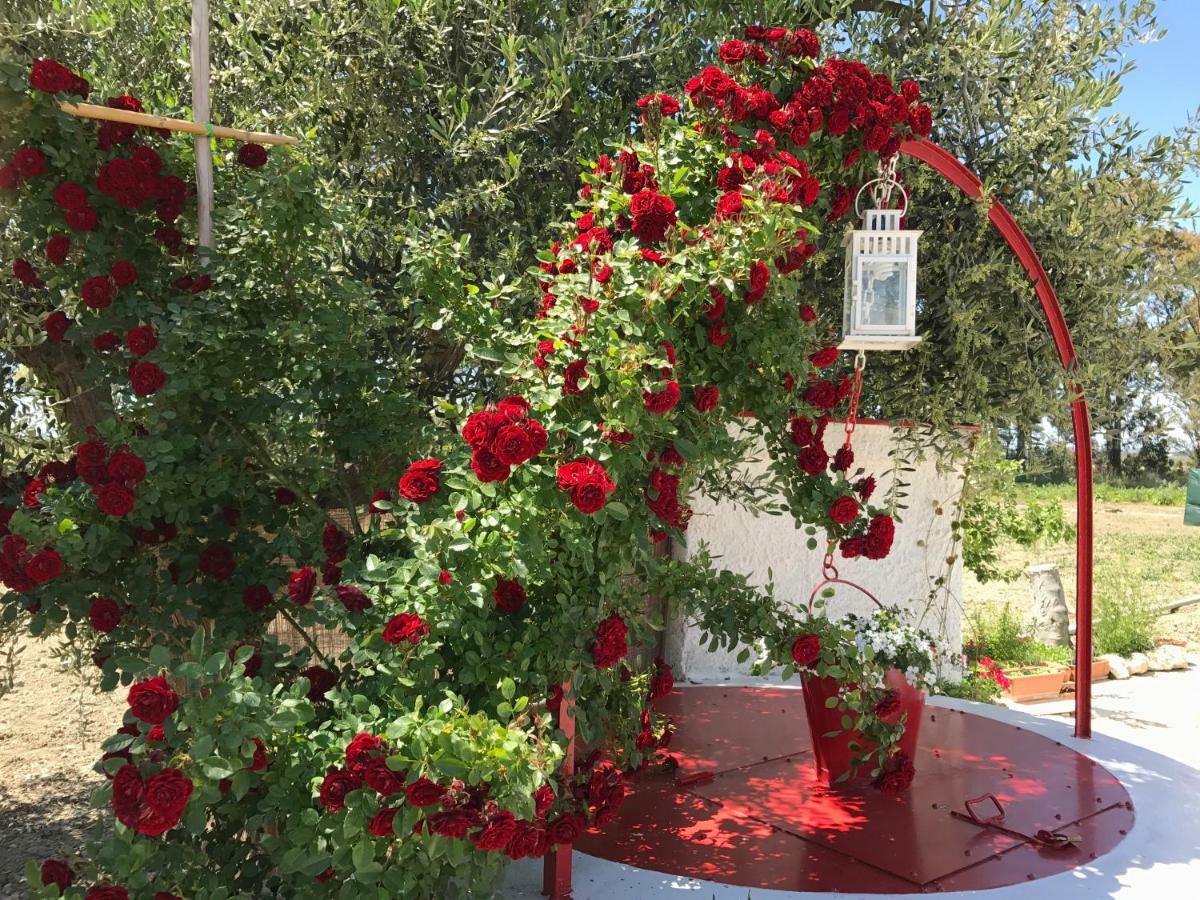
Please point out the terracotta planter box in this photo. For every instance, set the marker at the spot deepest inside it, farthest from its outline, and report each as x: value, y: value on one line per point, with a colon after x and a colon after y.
x: 1099, y: 671
x: 1036, y: 685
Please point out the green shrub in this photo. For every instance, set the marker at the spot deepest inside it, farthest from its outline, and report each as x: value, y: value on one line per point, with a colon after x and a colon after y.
x: 999, y: 634
x: 1124, y: 616
x: 974, y: 686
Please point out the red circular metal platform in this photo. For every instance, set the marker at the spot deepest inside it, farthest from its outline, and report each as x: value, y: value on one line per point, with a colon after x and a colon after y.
x: 766, y: 820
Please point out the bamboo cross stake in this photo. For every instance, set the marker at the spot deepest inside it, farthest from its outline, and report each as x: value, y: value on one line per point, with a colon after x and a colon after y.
x: 200, y: 110
x: 145, y: 120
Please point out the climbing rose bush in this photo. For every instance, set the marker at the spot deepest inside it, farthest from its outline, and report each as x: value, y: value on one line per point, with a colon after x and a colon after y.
x: 493, y: 561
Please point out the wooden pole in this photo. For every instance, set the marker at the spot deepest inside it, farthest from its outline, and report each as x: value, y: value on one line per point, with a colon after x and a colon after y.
x: 201, y: 113
x: 146, y: 120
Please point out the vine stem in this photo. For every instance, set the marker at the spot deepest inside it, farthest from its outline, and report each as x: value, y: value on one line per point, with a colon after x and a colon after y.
x: 312, y: 645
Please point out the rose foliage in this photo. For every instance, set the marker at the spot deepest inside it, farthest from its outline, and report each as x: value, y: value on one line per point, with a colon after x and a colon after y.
x: 490, y: 554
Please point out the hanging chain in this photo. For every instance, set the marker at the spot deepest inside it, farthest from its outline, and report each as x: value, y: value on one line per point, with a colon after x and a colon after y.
x: 860, y: 363
x: 885, y: 183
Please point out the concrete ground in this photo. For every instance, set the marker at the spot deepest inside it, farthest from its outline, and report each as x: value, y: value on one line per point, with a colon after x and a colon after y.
x: 1146, y: 733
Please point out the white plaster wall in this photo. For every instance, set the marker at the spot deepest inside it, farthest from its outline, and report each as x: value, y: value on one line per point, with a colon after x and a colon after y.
x: 752, y: 545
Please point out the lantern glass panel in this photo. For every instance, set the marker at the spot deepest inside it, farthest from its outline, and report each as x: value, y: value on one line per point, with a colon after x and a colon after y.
x: 883, y: 293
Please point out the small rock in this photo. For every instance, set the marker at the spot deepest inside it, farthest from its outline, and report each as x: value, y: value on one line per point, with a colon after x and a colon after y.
x: 1118, y: 668
x: 1166, y: 658
x: 1139, y: 664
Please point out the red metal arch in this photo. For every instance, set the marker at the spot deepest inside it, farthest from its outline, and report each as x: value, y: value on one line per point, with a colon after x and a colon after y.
x: 961, y: 177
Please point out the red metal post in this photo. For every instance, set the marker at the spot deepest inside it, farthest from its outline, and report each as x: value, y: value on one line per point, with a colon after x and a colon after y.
x: 556, y: 867
x: 959, y: 175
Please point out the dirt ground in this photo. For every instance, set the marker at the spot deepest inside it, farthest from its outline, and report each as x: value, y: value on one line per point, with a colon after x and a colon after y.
x: 48, y: 744
x: 1148, y: 545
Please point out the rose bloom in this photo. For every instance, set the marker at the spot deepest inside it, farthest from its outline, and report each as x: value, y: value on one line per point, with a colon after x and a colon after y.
x: 813, y: 460
x: 512, y: 445
x: 423, y: 792
x: 381, y: 822
x: 320, y: 681
x: 705, y: 397
x: 824, y: 357
x: 352, y: 598
x: 405, y: 627
x: 123, y: 273
x: 97, y: 292
x: 127, y: 468
x: 843, y: 510
x: 114, y: 499
x: 420, y: 482
x: 256, y: 597
x: 146, y: 378
x: 587, y: 483
x: 653, y: 215
x: 508, y: 595
x: 105, y: 342
x: 105, y: 614
x: 806, y: 649
x: 301, y: 585
x: 719, y: 334
x: 216, y: 561
x: 152, y: 701
x: 167, y: 794
x: 488, y: 467
x: 252, y: 156
x: 610, y: 646
x: 141, y: 340
x: 334, y: 788
x: 57, y: 872
x: 663, y: 401
x: 106, y: 892
x: 821, y: 394
x: 57, y: 249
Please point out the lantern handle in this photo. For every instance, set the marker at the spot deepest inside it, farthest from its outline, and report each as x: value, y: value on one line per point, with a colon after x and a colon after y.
x: 891, y: 183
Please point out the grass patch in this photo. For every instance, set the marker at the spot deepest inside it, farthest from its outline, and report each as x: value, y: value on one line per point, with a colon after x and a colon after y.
x: 1160, y: 495
x: 998, y: 633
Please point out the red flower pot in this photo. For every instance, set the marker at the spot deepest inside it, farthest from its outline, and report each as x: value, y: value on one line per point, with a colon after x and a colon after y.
x: 833, y: 753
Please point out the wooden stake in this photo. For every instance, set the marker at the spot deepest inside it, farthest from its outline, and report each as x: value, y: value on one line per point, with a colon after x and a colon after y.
x: 201, y: 113
x: 145, y: 120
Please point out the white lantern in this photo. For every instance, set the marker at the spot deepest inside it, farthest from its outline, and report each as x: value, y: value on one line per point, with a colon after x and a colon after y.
x: 881, y: 281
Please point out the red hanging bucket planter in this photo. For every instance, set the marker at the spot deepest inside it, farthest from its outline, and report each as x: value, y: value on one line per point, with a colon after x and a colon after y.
x: 831, y: 741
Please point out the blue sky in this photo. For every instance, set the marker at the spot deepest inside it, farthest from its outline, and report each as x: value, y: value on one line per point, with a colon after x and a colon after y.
x: 1164, y: 89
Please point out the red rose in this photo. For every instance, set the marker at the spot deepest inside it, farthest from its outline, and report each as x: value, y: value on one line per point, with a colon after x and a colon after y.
x: 444, y: 577
x: 653, y: 215
x: 284, y: 496
x: 167, y: 795
x: 152, y: 701
x: 57, y: 872
x: 806, y: 649
x: 587, y: 482
x: 105, y: 341
x: 10, y: 179
x: 488, y: 467
x: 719, y: 334
x: 114, y: 499
x: 252, y: 156
x: 146, y: 378
x: 760, y: 275
x: 51, y: 77
x: 423, y: 792
x: 610, y: 646
x: 921, y: 120
x: 420, y: 482
x: 807, y: 313
x: 844, y: 510
x: 106, y: 892
x: 480, y: 428
x: 301, y: 585
x: 716, y: 309
x: 512, y: 445
x: 888, y: 704
x: 821, y: 394
x: 353, y: 599
x: 705, y: 397
x: 813, y: 460
x: 56, y: 325
x: 565, y: 829
x: 729, y: 206
x: 363, y: 747
x: 69, y: 195
x: 880, y: 534
x: 334, y: 788
x: 105, y: 614
x: 853, y: 547
x: 44, y: 567
x: 662, y: 682
x: 320, y: 681
x: 380, y: 778
x: 123, y: 273
x: 381, y: 822
x: 29, y: 162
x: 662, y: 401
x: 824, y: 357
x: 405, y: 627
x: 25, y: 273
x: 897, y: 774
x: 843, y: 459
x: 97, y: 292
x: 453, y: 823
x: 732, y: 51
x: 216, y: 561
x: 82, y: 219
x: 126, y: 468
x: 571, y: 376
x: 256, y: 597
x: 57, y: 249
x: 335, y: 542
x: 496, y: 834
x: 865, y: 487
x: 508, y: 595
